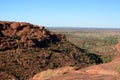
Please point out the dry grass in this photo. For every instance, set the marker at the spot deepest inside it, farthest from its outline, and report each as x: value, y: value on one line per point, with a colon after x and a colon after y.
x: 117, y: 69
x: 52, y: 73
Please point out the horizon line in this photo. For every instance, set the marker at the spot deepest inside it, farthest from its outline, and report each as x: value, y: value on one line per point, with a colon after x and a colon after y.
x: 79, y: 27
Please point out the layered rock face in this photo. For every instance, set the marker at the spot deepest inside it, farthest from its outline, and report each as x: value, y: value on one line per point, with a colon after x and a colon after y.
x: 26, y: 49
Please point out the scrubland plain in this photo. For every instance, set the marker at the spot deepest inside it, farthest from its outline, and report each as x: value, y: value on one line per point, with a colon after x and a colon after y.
x: 93, y: 40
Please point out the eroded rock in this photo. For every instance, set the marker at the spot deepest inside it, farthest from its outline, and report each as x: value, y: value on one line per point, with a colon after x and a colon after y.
x: 31, y: 35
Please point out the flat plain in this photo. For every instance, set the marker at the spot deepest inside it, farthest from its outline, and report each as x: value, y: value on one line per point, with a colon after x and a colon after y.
x: 100, y: 41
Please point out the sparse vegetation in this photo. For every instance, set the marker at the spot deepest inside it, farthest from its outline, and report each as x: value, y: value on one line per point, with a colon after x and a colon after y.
x: 55, y: 72
x: 98, y: 41
x: 106, y: 58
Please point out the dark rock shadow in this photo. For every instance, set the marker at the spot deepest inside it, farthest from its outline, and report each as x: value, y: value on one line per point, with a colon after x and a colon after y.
x: 95, y: 57
x: 46, y: 42
x: 1, y: 34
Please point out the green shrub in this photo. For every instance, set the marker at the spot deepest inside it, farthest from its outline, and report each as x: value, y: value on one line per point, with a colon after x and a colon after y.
x: 111, y: 40
x: 105, y: 58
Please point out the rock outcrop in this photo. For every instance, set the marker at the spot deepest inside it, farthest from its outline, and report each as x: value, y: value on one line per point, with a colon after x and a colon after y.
x: 27, y: 49
x: 21, y: 34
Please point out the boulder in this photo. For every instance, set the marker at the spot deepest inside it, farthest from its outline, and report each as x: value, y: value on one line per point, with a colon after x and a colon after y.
x: 15, y: 25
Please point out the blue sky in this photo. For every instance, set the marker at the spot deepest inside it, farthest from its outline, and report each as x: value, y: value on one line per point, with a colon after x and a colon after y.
x: 63, y: 13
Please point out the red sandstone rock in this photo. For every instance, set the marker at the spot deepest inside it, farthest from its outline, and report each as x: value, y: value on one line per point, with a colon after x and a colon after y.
x: 27, y: 49
x: 4, y: 75
x: 15, y: 25
x: 31, y: 34
x: 23, y: 24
